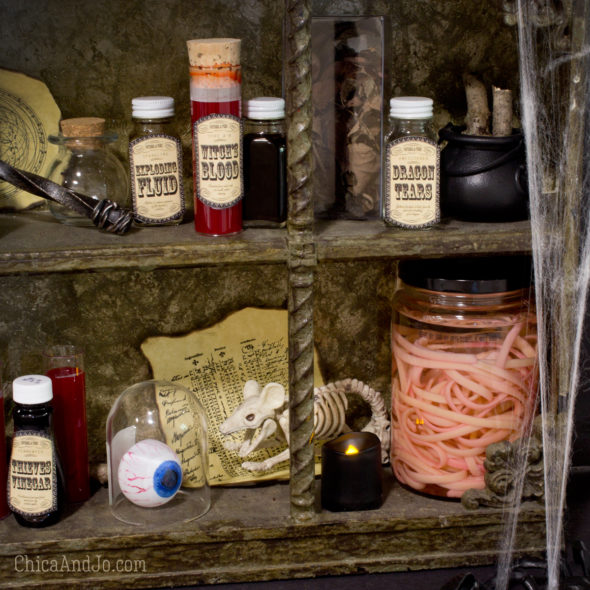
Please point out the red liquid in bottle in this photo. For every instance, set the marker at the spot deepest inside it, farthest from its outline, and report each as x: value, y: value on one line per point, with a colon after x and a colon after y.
x: 69, y: 425
x: 4, y: 509
x: 209, y: 220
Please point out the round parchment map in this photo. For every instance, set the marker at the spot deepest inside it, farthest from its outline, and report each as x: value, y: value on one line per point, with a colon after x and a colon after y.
x: 28, y: 115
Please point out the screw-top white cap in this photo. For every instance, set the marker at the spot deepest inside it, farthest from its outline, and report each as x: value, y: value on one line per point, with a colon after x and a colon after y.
x: 265, y: 107
x: 32, y: 389
x: 152, y: 107
x: 410, y: 107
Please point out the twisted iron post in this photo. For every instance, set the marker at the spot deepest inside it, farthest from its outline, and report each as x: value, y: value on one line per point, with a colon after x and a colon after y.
x: 301, y: 255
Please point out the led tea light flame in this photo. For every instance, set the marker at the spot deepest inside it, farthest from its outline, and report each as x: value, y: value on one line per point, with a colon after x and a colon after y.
x: 352, y: 473
x: 351, y: 450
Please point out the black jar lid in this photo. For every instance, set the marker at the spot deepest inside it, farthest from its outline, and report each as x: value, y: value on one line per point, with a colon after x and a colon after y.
x: 489, y: 274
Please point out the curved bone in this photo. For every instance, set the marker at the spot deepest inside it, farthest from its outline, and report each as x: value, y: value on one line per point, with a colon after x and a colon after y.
x: 266, y: 406
x: 378, y: 424
x: 330, y: 405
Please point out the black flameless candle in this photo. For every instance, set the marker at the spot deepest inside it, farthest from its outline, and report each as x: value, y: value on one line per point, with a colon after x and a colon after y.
x: 351, y: 472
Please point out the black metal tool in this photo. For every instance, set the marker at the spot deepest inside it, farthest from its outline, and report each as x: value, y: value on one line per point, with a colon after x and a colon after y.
x: 105, y: 214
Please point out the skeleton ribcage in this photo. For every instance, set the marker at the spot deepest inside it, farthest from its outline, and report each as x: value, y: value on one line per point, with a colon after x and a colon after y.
x: 329, y: 411
x: 331, y: 403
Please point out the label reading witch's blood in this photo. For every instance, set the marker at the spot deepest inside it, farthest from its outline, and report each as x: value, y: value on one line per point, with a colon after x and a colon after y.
x: 156, y: 178
x: 412, y: 182
x: 218, y: 160
x: 32, y: 477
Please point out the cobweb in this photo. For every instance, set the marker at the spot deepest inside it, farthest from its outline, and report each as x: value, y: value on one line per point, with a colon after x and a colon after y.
x: 553, y: 55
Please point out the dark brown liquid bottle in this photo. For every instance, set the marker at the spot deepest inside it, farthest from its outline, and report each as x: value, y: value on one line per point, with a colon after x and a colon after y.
x: 35, y: 481
x: 265, y: 163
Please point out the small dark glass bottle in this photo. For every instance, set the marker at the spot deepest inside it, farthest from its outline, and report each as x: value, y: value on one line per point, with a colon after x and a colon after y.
x: 265, y: 163
x: 155, y: 163
x: 35, y: 479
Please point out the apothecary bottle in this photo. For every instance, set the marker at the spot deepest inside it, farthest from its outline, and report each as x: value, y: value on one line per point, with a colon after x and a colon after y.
x: 217, y: 131
x: 464, y: 368
x: 35, y: 479
x: 412, y: 165
x: 265, y: 163
x: 87, y: 164
x: 155, y: 163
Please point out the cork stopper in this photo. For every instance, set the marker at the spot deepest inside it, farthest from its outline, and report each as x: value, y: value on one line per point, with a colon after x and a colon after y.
x: 207, y: 53
x: 82, y: 127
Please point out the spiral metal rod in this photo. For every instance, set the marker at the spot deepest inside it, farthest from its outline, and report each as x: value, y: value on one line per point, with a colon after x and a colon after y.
x: 302, y: 258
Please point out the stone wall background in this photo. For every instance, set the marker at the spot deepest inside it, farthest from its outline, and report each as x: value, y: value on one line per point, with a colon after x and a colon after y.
x: 96, y: 55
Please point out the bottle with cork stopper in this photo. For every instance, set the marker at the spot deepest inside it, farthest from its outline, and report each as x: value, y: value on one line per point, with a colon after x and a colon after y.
x: 216, y: 108
x: 88, y: 166
x: 155, y: 162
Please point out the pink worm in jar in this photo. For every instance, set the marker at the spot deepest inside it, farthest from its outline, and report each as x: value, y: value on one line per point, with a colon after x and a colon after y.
x: 449, y: 406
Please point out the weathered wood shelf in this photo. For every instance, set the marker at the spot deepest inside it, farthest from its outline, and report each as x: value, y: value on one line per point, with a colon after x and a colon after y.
x: 33, y: 242
x: 248, y: 535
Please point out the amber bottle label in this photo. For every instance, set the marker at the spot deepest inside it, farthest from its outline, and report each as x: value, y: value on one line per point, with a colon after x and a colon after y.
x: 412, y: 182
x: 155, y: 162
x: 32, y: 476
x: 218, y: 160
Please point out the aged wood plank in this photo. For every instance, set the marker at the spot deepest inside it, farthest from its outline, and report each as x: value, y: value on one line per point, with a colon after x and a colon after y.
x: 338, y: 240
x: 35, y: 243
x: 248, y: 536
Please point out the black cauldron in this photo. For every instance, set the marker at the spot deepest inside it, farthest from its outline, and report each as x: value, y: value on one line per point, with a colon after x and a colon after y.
x: 483, y: 178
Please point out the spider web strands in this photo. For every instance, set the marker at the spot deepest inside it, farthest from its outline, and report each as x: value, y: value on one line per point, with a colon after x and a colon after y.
x: 554, y: 94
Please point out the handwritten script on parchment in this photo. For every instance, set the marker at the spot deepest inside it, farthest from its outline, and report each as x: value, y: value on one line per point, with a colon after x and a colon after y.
x: 179, y: 420
x: 214, y: 363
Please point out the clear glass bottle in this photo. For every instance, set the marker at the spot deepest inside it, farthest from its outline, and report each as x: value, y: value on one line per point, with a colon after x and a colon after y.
x: 412, y: 165
x: 265, y: 163
x: 88, y: 166
x: 464, y: 368
x: 155, y: 163
x: 217, y: 131
x: 35, y: 479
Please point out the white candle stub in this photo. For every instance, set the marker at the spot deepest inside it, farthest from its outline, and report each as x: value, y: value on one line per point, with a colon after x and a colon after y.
x: 150, y: 473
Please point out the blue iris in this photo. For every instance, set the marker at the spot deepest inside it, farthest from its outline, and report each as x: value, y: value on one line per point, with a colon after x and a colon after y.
x: 167, y: 479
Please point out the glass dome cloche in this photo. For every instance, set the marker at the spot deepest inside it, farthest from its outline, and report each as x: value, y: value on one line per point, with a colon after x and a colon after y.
x: 157, y: 455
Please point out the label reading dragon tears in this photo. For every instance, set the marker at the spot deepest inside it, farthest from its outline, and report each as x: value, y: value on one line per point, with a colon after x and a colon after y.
x: 218, y: 160
x: 156, y: 178
x: 412, y: 182
x: 32, y: 478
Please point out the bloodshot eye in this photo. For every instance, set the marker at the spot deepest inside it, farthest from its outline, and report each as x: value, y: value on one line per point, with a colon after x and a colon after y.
x: 150, y: 473
x: 250, y: 417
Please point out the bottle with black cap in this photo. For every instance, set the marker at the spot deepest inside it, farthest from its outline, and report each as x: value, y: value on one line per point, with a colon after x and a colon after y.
x: 465, y: 368
x: 35, y: 483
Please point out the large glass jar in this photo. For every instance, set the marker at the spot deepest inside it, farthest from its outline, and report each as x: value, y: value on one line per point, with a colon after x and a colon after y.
x: 464, y: 358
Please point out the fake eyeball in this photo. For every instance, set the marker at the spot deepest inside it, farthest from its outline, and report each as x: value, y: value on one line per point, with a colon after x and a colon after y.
x: 150, y: 473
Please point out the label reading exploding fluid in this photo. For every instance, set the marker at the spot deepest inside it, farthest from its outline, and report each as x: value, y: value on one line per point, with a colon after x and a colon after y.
x: 32, y: 477
x: 156, y: 178
x: 412, y: 182
x: 218, y: 160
